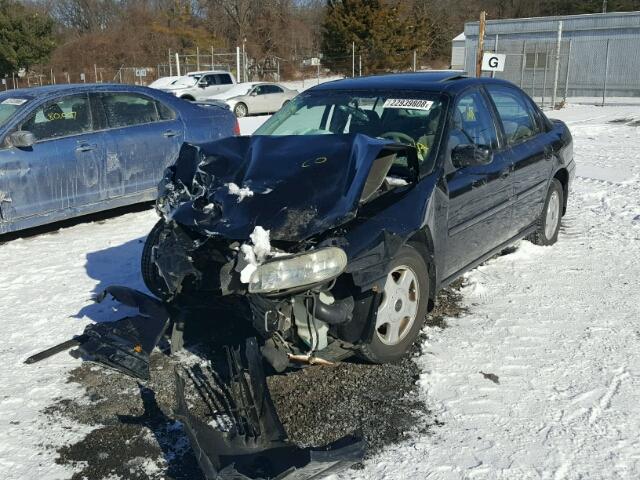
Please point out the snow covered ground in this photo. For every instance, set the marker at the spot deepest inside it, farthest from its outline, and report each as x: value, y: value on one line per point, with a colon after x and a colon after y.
x: 558, y: 326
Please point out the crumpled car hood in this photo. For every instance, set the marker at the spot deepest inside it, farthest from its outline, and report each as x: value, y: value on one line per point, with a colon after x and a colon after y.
x: 298, y: 186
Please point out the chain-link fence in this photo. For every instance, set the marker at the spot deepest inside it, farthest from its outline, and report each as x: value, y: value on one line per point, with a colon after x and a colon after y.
x: 583, y: 69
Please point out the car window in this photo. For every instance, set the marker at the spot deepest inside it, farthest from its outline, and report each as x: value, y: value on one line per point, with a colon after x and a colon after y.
x: 472, y: 123
x: 70, y: 115
x: 9, y: 106
x: 260, y: 90
x: 515, y: 112
x: 271, y: 89
x: 126, y: 109
x: 223, y: 79
x: 165, y: 112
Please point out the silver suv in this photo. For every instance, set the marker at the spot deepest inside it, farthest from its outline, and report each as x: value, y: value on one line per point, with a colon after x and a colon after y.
x: 201, y: 85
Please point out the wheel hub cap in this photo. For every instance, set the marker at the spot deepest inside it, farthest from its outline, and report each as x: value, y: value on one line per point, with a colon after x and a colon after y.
x: 553, y: 215
x: 399, y: 306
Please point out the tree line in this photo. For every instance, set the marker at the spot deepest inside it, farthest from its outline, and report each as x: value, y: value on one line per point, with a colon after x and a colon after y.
x: 71, y: 35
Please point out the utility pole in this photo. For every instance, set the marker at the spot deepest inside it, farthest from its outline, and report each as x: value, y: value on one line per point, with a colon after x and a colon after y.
x: 238, y: 75
x: 557, y: 69
x: 483, y: 18
x: 353, y: 59
x: 178, y: 63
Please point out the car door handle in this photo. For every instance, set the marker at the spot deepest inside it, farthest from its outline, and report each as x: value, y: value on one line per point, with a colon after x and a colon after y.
x: 86, y: 147
x: 169, y: 133
x: 505, y: 173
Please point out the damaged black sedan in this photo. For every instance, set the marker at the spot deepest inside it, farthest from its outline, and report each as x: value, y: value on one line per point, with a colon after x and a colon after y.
x: 342, y: 216
x: 327, y: 234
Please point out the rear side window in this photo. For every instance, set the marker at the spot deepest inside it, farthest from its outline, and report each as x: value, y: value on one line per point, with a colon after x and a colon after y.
x: 165, y: 112
x: 223, y: 79
x: 65, y: 116
x: 515, y: 112
x: 271, y: 89
x: 127, y: 109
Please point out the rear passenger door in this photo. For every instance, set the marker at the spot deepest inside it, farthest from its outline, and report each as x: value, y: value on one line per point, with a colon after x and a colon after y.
x: 273, y: 98
x: 143, y: 138
x: 529, y: 152
x: 480, y: 196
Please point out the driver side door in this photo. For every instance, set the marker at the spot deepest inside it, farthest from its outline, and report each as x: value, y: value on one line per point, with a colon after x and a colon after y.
x: 480, y: 195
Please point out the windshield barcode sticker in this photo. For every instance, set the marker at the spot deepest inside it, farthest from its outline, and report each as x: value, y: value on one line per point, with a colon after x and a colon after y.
x: 414, y: 104
x: 14, y: 101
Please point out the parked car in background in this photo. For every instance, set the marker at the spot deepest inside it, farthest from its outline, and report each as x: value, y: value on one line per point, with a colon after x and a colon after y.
x: 256, y: 97
x: 201, y: 85
x: 163, y: 82
x: 68, y: 150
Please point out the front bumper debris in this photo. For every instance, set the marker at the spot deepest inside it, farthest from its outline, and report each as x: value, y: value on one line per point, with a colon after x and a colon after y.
x: 255, y: 446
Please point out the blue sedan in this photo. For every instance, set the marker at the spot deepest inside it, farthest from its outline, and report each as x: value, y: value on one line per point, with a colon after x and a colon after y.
x: 70, y: 150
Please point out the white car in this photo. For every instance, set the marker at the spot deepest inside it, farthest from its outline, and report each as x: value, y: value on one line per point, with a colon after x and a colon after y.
x: 255, y: 97
x: 201, y: 85
x: 163, y: 82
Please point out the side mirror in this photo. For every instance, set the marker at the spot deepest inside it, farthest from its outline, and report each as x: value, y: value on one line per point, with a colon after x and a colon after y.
x: 471, y: 155
x: 22, y: 139
x: 202, y: 84
x: 253, y: 94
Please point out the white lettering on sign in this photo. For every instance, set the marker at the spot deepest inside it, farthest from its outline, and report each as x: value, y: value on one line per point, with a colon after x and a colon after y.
x: 493, y: 62
x: 415, y: 104
x: 14, y: 101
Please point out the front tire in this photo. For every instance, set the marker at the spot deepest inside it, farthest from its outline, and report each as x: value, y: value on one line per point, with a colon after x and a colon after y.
x: 150, y: 274
x: 240, y: 110
x: 403, y: 308
x: 549, y: 221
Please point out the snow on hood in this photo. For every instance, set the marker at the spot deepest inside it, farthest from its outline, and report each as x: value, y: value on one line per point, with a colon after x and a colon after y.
x: 300, y: 185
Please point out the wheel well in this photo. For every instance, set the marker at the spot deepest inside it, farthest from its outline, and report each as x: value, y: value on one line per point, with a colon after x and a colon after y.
x: 188, y: 97
x: 423, y: 242
x: 563, y: 177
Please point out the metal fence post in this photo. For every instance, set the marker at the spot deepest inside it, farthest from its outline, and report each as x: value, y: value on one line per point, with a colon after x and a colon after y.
x: 606, y: 72
x: 495, y: 50
x: 555, y: 80
x: 535, y: 64
x: 524, y: 61
x: 566, y: 83
x: 546, y: 68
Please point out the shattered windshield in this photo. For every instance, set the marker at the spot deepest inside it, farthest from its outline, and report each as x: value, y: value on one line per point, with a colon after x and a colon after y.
x: 407, y: 117
x: 8, y: 107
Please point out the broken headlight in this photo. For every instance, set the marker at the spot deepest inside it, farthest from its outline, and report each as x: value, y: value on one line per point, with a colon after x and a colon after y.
x: 298, y: 270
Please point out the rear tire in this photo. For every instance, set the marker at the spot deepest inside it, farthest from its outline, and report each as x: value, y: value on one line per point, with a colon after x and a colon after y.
x: 549, y: 221
x: 150, y: 274
x: 240, y: 110
x: 403, y: 309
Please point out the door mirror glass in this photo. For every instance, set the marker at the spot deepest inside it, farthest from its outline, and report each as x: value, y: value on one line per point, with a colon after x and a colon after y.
x: 22, y: 139
x: 471, y: 155
x: 254, y: 93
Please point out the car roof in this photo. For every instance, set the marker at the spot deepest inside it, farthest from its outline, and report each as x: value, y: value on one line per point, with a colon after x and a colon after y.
x: 451, y: 81
x: 202, y: 72
x: 52, y: 90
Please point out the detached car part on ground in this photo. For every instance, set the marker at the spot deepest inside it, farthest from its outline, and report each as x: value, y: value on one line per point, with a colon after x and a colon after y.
x: 329, y: 232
